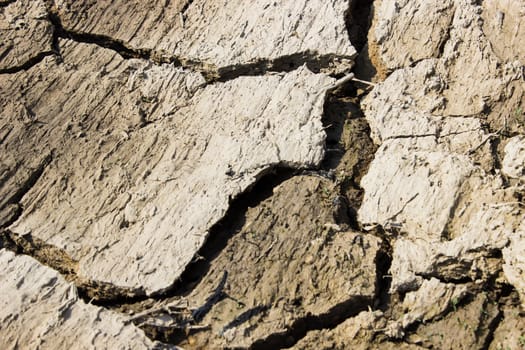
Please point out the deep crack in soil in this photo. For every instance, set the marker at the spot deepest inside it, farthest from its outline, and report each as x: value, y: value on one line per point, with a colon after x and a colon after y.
x: 300, y: 327
x: 6, y: 2
x: 346, y: 161
x: 342, y: 119
x: 349, y: 151
x: 10, y: 207
x: 33, y: 61
x: 314, y: 61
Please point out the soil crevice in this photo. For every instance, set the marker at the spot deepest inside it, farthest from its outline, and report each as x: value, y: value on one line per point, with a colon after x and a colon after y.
x: 313, y: 60
x: 26, y: 185
x: 33, y: 61
x: 335, y: 316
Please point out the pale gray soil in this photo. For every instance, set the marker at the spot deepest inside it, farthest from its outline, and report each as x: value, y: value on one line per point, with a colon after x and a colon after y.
x: 196, y: 175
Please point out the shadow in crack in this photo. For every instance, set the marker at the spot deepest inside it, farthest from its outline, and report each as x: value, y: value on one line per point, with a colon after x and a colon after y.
x: 287, y: 63
x: 228, y: 226
x: 6, y: 3
x: 302, y: 326
x: 359, y: 24
x: 358, y: 19
x: 339, y: 109
x: 349, y: 148
x: 217, y: 240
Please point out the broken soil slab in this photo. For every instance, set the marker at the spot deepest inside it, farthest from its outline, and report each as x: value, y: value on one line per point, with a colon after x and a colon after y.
x: 430, y: 301
x: 487, y: 224
x: 146, y: 158
x: 503, y: 26
x: 39, y: 309
x: 407, y: 31
x: 510, y: 333
x: 27, y: 34
x: 435, y: 185
x: 289, y: 269
x: 412, y: 191
x: 464, y: 327
x: 359, y: 332
x: 215, y: 35
x: 474, y: 77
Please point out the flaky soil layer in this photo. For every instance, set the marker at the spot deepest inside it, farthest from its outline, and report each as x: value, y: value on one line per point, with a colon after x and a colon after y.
x: 262, y: 175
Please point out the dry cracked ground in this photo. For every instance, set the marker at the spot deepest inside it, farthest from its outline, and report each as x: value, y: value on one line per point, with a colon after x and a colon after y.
x: 262, y: 175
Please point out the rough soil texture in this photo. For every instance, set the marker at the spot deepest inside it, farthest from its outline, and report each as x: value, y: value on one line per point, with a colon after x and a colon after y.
x: 217, y: 34
x: 27, y: 34
x: 43, y: 311
x: 306, y: 270
x: 148, y: 160
x: 203, y: 174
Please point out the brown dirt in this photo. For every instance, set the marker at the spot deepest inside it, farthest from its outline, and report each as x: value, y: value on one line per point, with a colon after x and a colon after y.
x: 289, y: 265
x: 369, y: 64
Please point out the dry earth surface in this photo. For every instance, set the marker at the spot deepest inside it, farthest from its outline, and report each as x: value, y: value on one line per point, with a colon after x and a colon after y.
x: 262, y: 175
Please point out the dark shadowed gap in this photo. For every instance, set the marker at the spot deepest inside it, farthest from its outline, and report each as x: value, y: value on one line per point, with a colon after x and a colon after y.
x: 31, y: 180
x: 300, y: 327
x: 12, y: 203
x: 383, y: 298
x: 493, y: 325
x: 287, y: 63
x: 349, y: 147
x: 336, y: 111
x: 33, y: 61
x: 313, y: 60
x: 9, y: 214
x: 358, y: 18
x: 358, y: 22
x: 6, y: 3
x: 100, y: 40
x: 503, y: 295
x: 27, y: 64
x: 186, y: 7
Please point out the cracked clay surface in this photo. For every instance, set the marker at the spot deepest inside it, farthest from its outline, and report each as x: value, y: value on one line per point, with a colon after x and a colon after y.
x: 262, y: 175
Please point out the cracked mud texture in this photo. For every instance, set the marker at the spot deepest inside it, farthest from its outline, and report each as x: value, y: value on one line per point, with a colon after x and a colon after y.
x: 436, y: 184
x: 42, y: 308
x: 27, y: 35
x: 218, y: 34
x: 149, y: 165
x: 445, y: 204
x: 133, y: 140
x: 293, y: 264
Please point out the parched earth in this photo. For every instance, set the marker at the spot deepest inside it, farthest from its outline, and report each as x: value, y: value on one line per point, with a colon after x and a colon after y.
x: 263, y: 175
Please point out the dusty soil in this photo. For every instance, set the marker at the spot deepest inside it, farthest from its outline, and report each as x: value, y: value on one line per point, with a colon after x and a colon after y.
x: 204, y: 180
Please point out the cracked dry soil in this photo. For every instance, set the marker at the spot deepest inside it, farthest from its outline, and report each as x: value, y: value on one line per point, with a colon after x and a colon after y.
x: 191, y: 174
